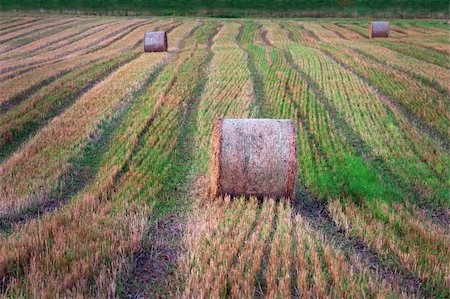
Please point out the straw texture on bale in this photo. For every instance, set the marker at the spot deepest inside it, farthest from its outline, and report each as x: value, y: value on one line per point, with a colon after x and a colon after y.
x: 155, y: 41
x: 379, y: 29
x: 253, y: 157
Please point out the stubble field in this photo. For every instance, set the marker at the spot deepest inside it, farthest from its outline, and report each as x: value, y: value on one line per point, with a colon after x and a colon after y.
x: 104, y: 154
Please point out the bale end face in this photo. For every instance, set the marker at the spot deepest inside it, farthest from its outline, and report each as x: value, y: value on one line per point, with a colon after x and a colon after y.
x: 253, y: 157
x: 155, y: 41
x: 378, y: 29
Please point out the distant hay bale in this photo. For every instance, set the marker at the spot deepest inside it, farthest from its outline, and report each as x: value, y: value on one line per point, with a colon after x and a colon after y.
x: 379, y: 29
x: 155, y: 41
x: 253, y: 157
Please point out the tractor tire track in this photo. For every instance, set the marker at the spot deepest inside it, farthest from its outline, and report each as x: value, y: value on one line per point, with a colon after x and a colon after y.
x: 71, y: 53
x: 79, y: 177
x: 41, y: 30
x: 393, y: 105
x: 152, y: 265
x: 10, y: 27
x: 315, y: 212
x: 68, y: 39
x: 17, y: 98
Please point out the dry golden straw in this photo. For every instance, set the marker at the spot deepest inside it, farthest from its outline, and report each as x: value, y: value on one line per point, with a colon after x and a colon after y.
x: 253, y: 157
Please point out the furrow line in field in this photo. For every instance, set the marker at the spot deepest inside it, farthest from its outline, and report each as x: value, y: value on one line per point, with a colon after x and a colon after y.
x: 342, y: 172
x: 412, y: 30
x: 397, y: 32
x: 65, y: 53
x: 363, y: 30
x: 17, y: 89
x: 265, y: 39
x: 428, y: 74
x: 145, y: 126
x: 84, y: 34
x: 352, y: 30
x: 200, y: 255
x: 418, y: 240
x: 25, y: 25
x: 354, y: 94
x: 335, y: 31
x: 323, y: 34
x: 117, y: 38
x: 128, y: 220
x: 148, y: 257
x: 297, y: 34
x: 5, y: 28
x: 276, y: 34
x: 25, y: 120
x: 248, y: 267
x: 310, y: 32
x: 10, y: 102
x: 257, y: 105
x: 418, y: 143
x: 347, y: 34
x: 33, y: 47
x: 33, y: 199
x: 427, y: 281
x: 263, y: 288
x: 426, y: 29
x: 79, y: 177
x: 8, y: 20
x: 415, y: 121
x: 39, y: 36
x: 352, y: 137
x: 430, y: 45
x: 31, y: 31
x: 323, y: 270
x: 418, y: 52
x: 55, y: 198
x: 226, y: 95
x: 315, y: 212
x: 96, y: 91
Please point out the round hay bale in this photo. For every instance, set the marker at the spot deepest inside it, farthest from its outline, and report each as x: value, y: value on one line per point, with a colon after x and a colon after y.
x: 253, y: 157
x: 155, y: 41
x: 379, y: 29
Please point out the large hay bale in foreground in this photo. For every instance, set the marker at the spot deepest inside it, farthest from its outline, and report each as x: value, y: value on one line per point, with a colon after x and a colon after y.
x: 155, y: 41
x: 379, y: 29
x: 253, y: 157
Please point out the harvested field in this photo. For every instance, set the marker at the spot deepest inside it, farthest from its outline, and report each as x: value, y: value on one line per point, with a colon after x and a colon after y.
x: 105, y: 158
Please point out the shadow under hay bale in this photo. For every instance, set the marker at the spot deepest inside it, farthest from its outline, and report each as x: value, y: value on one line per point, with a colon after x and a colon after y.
x: 155, y: 41
x: 379, y: 29
x: 253, y: 157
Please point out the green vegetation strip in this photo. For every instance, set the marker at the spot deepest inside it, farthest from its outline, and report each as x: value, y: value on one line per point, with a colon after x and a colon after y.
x: 418, y: 8
x: 21, y: 122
